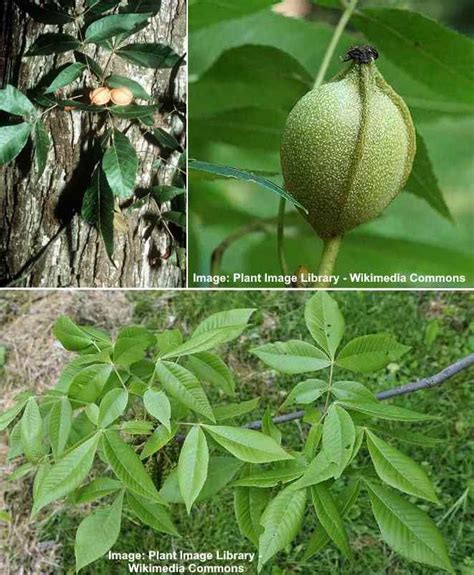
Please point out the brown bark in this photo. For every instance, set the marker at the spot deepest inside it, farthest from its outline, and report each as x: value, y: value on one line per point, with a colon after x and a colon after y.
x: 43, y: 241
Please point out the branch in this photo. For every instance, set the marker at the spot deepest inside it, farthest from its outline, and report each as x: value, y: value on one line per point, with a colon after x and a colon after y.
x: 425, y: 383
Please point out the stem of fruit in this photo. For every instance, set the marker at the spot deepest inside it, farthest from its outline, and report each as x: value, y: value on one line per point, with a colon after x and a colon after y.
x: 280, y: 237
x: 328, y: 258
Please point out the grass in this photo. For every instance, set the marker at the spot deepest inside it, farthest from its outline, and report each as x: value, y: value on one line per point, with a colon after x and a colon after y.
x: 438, y: 328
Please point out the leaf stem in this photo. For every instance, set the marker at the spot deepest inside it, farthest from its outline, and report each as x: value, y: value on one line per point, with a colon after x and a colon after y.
x: 328, y: 258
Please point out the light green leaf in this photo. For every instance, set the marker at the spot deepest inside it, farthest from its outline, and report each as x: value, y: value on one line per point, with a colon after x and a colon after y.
x: 247, y: 445
x: 210, y: 368
x: 249, y: 504
x: 67, y: 474
x: 207, y: 12
x: 305, y: 392
x: 12, y: 141
x: 78, y: 338
x: 5, y: 517
x: 325, y: 321
x: 160, y: 437
x: 117, y: 81
x: 338, y: 438
x: 10, y: 414
x: 407, y: 529
x: 113, y: 25
x: 229, y: 172
x: 217, y: 329
x: 88, y: 384
x: 330, y: 518
x: 15, y: 102
x: 42, y: 144
x: 66, y: 76
x: 137, y: 427
x: 158, y: 406
x: 59, y: 426
x: 152, y: 514
x: 320, y: 469
x: 51, y: 43
x: 168, y: 340
x: 281, y: 522
x: 97, y: 533
x: 94, y: 490
x: 181, y: 384
x: 131, y: 345
x: 269, y: 428
x: 92, y: 412
x: 292, y: 356
x: 231, y: 410
x: 120, y: 165
x: 127, y: 466
x: 192, y: 466
x: 149, y: 55
x: 32, y: 431
x: 352, y: 390
x: 408, y: 436
x: 370, y: 352
x: 282, y: 472
x: 384, y: 411
x: 113, y: 405
x: 398, y: 470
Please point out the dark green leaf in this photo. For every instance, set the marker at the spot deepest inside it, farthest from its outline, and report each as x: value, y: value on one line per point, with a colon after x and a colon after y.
x: 166, y: 193
x: 12, y: 141
x: 48, y: 15
x: 149, y: 55
x: 53, y: 44
x: 66, y: 76
x: 178, y: 218
x: 15, y: 102
x: 120, y: 165
x: 133, y: 111
x: 152, y: 6
x: 207, y: 12
x: 42, y: 144
x: 113, y: 25
x: 166, y: 140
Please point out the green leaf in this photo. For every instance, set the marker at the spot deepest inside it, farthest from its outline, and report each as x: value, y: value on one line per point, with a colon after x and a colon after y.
x: 269, y: 428
x: 192, y: 466
x: 166, y: 193
x: 229, y: 172
x: 305, y: 392
x: 42, y: 145
x: 138, y: 6
x: 166, y: 140
x: 117, y: 81
x: 10, y: 414
x: 15, y: 102
x: 97, y: 533
x: 158, y: 406
x: 325, y: 322
x: 247, y: 445
x: 152, y: 514
x: 94, y: 490
x: 98, y: 209
x: 120, y: 165
x: 160, y: 437
x: 408, y: 436
x: 370, y: 352
x: 66, y: 77
x: 249, y: 504
x: 89, y: 383
x: 221, y: 471
x: 281, y: 473
x: 137, y: 427
x: 383, y: 411
x: 5, y: 517
x: 76, y: 338
x: 50, y: 43
x: 48, y: 15
x: 209, y: 367
x: 338, y: 438
x: 127, y: 466
x: 149, y: 55
x: 131, y: 345
x: 231, y: 410
x: 399, y: 471
x: 112, y: 406
x: 292, y: 356
x: 281, y: 522
x: 113, y: 25
x: 352, y: 390
x: 407, y: 529
x: 206, y: 12
x: 59, y: 426
x: 182, y: 385
x: 217, y: 329
x: 330, y: 518
x: 320, y: 469
x: 432, y: 54
x: 32, y: 431
x: 12, y: 141
x: 320, y: 538
x: 92, y: 412
x: 178, y: 218
x: 422, y: 181
x: 133, y: 111
x: 67, y: 474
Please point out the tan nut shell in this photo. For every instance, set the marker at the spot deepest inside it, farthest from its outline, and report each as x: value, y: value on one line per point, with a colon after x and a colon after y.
x: 121, y: 96
x: 100, y: 96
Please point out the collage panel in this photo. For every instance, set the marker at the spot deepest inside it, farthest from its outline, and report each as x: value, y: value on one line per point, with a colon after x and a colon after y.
x: 92, y: 140
x: 143, y: 434
x: 331, y: 145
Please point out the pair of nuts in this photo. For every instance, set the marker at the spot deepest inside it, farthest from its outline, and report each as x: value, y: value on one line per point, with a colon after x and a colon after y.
x: 120, y: 96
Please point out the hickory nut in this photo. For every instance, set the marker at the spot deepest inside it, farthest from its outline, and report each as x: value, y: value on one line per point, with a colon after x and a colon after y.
x: 348, y: 147
x: 100, y: 96
x: 121, y: 96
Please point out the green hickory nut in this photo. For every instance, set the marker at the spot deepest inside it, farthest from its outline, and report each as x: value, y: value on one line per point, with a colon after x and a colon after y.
x: 348, y: 147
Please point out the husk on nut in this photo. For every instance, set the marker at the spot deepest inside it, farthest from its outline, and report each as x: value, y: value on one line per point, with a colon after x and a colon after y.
x: 348, y: 147
x: 121, y: 96
x: 100, y: 96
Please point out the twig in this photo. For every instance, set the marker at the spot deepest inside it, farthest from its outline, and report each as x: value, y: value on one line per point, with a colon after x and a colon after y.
x: 425, y: 383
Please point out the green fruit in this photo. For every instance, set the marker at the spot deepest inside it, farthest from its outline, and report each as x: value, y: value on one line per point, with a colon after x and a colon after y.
x: 348, y: 147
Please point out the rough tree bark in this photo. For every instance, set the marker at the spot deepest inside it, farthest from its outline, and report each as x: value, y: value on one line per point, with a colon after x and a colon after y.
x: 43, y: 242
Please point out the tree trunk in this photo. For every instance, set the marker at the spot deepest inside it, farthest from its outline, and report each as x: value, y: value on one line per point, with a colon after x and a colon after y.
x: 43, y: 241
